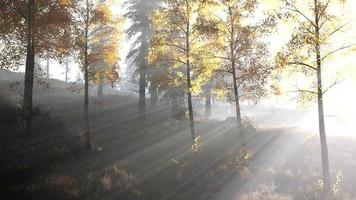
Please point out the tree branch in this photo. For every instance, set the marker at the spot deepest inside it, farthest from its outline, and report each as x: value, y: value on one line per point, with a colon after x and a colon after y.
x: 301, y: 13
x: 304, y: 91
x: 332, y: 85
x: 302, y: 64
x: 326, y: 7
x: 176, y: 46
x: 95, y: 31
x: 337, y: 50
x: 338, y: 29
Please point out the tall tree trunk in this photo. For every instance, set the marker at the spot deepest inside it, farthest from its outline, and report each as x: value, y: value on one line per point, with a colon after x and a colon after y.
x: 30, y: 65
x: 100, y: 91
x: 142, y: 92
x: 154, y: 94
x: 190, y: 107
x: 142, y: 84
x: 237, y: 108
x: 234, y: 78
x: 86, y: 85
x: 237, y: 100
x: 208, y: 104
x: 174, y: 110
x: 189, y: 86
x: 67, y: 68
x: 47, y: 69
x: 86, y: 104
x: 323, y: 141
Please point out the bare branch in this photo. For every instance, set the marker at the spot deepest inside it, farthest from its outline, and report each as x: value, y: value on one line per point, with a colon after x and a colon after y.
x: 338, y: 29
x: 224, y: 23
x: 222, y: 57
x: 324, y: 22
x: 176, y: 60
x: 302, y: 64
x: 337, y: 50
x: 95, y: 31
x: 303, y: 91
x: 223, y: 71
x: 326, y: 7
x: 176, y: 46
x: 332, y: 85
x: 301, y: 13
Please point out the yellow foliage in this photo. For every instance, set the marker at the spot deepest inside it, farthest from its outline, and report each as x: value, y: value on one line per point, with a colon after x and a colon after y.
x: 178, y: 38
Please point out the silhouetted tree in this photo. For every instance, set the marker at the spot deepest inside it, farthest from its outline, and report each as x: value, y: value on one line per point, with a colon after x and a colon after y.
x: 139, y: 12
x: 30, y: 27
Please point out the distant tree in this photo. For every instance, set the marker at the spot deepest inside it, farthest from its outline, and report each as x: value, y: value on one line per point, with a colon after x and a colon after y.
x: 30, y: 27
x: 177, y: 37
x: 104, y: 56
x: 139, y: 12
x: 47, y: 68
x: 308, y: 50
x: 169, y: 83
x: 208, y: 87
x: 67, y: 69
x: 95, y: 31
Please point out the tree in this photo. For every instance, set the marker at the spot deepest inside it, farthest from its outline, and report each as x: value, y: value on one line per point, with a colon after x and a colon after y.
x: 139, y: 12
x: 307, y: 52
x: 207, y: 92
x: 104, y: 57
x: 66, y: 70
x: 32, y: 27
x: 177, y: 37
x: 243, y: 51
x: 47, y: 68
x: 169, y: 84
x: 95, y: 27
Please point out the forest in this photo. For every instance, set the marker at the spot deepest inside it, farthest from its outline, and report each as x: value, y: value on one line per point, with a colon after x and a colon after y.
x: 177, y: 99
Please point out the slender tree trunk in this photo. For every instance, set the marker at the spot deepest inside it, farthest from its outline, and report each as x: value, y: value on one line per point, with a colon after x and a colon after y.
x: 174, y: 111
x: 323, y: 141
x: 47, y: 69
x: 86, y: 105
x: 234, y: 78
x: 208, y: 104
x: 30, y: 65
x: 86, y: 85
x: 142, y: 91
x: 154, y: 94
x: 189, y: 86
x: 237, y: 100
x: 237, y: 107
x: 100, y: 91
x: 190, y: 107
x: 142, y: 84
x: 67, y: 68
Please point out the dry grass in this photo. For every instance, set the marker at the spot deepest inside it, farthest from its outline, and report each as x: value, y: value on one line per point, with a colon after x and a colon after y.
x: 265, y: 192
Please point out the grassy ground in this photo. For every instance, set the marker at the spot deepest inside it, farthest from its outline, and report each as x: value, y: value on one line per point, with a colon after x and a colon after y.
x: 153, y: 160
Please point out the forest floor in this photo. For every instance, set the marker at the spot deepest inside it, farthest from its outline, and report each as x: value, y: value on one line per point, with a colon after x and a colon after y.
x: 152, y: 160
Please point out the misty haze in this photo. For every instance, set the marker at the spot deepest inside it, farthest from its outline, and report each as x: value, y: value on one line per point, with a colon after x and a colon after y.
x: 177, y: 99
